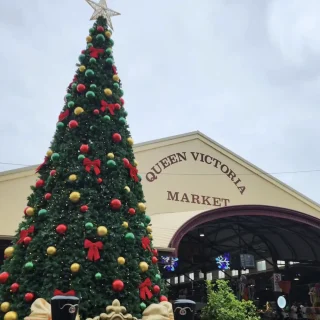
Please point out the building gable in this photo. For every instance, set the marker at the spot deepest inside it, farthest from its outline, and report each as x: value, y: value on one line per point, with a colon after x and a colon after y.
x: 186, y: 173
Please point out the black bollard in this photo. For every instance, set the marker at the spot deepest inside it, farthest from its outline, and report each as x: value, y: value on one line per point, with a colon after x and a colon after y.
x: 64, y: 307
x: 184, y: 309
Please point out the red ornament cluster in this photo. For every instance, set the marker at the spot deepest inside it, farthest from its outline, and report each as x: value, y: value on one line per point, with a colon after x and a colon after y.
x: 15, y: 287
x: 73, y: 124
x: 117, y: 285
x: 84, y: 208
x: 47, y: 196
x: 61, y: 228
x: 29, y: 297
x: 84, y: 148
x: 53, y: 173
x: 40, y: 183
x: 116, y: 138
x: 132, y: 211
x: 81, y: 88
x: 115, y: 204
x: 4, y: 277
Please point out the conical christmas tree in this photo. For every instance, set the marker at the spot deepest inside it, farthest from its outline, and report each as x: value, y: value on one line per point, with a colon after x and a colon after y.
x: 85, y: 231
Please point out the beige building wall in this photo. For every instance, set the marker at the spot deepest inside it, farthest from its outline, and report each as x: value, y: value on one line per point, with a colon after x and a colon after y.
x: 194, y: 174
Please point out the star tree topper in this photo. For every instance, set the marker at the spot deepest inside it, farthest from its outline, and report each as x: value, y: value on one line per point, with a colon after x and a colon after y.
x: 101, y: 10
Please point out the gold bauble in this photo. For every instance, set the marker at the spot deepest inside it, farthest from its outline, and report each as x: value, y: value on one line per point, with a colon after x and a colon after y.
x: 110, y: 155
x: 75, y: 267
x: 51, y: 251
x: 115, y: 78
x: 49, y: 153
x: 135, y: 163
x: 11, y: 315
x: 8, y: 252
x: 89, y: 38
x: 149, y: 229
x: 127, y: 188
x: 121, y: 260
x: 108, y: 34
x: 125, y: 224
x: 82, y: 68
x: 150, y: 236
x: 143, y: 266
x: 130, y: 141
x: 73, y: 177
x: 78, y: 110
x: 142, y: 207
x: 5, y: 306
x: 74, y: 196
x: 107, y: 92
x: 102, y: 231
x: 30, y: 212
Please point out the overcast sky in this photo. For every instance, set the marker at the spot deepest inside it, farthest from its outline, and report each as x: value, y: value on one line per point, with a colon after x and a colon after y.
x: 245, y: 73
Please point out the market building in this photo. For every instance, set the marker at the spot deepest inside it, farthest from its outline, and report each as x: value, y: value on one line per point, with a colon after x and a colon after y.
x: 214, y: 215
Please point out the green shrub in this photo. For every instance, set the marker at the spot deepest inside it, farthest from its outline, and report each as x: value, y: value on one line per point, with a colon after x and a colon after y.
x: 223, y: 305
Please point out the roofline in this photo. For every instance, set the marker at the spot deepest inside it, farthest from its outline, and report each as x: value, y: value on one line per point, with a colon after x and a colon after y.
x: 13, y: 171
x: 190, y: 134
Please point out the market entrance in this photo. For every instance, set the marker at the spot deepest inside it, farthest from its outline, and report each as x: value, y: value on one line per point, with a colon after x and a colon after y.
x: 260, y: 249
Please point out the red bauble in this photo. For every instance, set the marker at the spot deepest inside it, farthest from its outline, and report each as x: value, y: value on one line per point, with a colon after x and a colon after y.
x: 40, y: 183
x: 61, y: 228
x: 29, y: 297
x: 4, y: 277
x: 81, y: 87
x: 117, y: 285
x: 27, y: 240
x: 53, y: 173
x: 115, y: 204
x: 117, y: 106
x: 14, y: 287
x: 163, y: 298
x: 99, y: 180
x: 100, y: 28
x: 73, y: 124
x: 125, y: 162
x: 84, y: 148
x: 84, y: 208
x: 156, y: 289
x: 47, y: 196
x: 154, y: 260
x: 155, y: 252
x: 96, y: 112
x: 121, y: 101
x: 132, y: 211
x: 116, y: 137
x: 83, y: 51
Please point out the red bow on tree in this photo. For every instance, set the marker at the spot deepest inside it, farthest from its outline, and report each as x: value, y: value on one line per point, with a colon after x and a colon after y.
x: 133, y: 170
x: 46, y: 159
x: 94, y: 52
x: 145, y: 242
x: 114, y: 69
x: 109, y: 106
x: 94, y: 247
x: 25, y: 233
x: 145, y: 292
x: 57, y: 292
x: 64, y: 115
x: 95, y: 164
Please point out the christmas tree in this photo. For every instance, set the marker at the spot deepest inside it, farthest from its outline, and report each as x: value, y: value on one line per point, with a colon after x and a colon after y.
x: 85, y: 230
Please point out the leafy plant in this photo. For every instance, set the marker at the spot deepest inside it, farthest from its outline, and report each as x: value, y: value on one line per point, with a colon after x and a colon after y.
x: 223, y: 305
